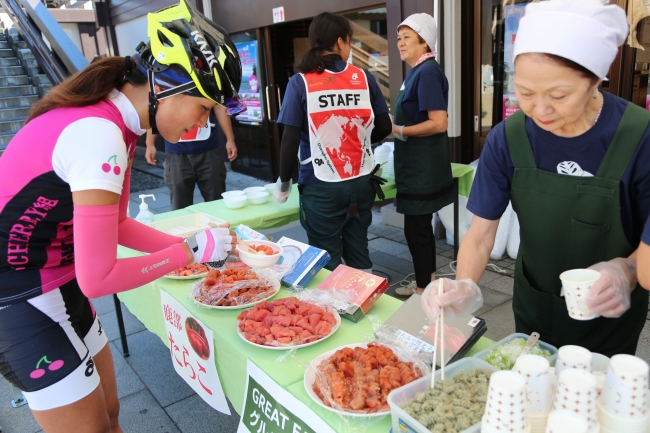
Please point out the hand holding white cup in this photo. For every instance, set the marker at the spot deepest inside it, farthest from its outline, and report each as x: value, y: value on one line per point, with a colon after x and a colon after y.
x: 576, y: 285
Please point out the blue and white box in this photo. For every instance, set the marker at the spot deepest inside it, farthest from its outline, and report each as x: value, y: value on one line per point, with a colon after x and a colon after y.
x: 304, y: 261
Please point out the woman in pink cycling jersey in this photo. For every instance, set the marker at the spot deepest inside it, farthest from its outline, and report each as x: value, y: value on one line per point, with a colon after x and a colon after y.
x: 63, y: 212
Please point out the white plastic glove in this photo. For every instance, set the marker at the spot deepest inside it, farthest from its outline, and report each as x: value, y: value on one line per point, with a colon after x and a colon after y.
x: 610, y: 295
x: 282, y: 190
x: 398, y: 132
x: 211, y: 245
x: 458, y: 298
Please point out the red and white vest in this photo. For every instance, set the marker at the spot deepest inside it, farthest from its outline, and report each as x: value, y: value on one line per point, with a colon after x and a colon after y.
x: 340, y: 122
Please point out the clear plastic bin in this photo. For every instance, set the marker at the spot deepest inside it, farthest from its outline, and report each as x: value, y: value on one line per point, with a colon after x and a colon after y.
x: 405, y: 423
x: 484, y: 353
x: 187, y: 225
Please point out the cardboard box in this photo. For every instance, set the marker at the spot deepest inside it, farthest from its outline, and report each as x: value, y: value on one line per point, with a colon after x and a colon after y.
x: 362, y: 290
x: 304, y: 261
x: 412, y: 327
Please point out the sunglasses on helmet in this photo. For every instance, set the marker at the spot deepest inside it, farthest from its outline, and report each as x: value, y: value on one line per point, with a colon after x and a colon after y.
x: 235, y: 106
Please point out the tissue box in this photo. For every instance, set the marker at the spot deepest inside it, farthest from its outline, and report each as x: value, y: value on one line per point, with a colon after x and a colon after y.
x: 304, y: 260
x: 362, y: 288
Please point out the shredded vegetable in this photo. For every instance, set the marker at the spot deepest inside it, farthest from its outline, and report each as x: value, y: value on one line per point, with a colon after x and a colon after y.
x: 504, y: 356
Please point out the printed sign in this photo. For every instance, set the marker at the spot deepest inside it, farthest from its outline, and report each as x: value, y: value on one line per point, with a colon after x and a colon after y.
x: 191, y: 346
x: 249, y: 90
x: 278, y: 15
x: 513, y: 13
x: 266, y: 408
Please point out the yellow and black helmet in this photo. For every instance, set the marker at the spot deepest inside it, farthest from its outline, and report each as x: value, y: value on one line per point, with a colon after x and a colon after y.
x: 190, y: 54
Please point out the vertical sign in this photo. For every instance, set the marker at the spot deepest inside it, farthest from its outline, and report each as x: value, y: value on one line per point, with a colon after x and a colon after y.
x: 249, y: 90
x: 266, y: 408
x: 191, y: 345
x: 513, y: 13
x: 278, y: 15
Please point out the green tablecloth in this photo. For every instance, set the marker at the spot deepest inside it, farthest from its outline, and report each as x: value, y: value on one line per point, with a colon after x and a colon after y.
x: 461, y: 171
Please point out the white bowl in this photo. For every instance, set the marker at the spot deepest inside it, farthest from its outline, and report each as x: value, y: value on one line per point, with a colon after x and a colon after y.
x: 254, y: 189
x: 270, y: 188
x: 257, y: 197
x: 233, y: 194
x: 259, y: 260
x: 235, y: 202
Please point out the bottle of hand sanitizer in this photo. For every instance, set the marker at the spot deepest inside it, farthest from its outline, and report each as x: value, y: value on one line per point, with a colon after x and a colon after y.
x: 145, y: 216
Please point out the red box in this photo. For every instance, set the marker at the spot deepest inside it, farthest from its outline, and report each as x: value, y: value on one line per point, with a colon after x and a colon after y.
x: 362, y: 288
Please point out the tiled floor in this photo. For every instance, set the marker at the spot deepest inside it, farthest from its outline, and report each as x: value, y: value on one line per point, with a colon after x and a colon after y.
x: 154, y: 399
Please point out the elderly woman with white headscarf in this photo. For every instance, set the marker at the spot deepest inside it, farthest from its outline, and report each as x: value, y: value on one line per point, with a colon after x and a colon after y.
x: 575, y: 162
x: 422, y: 162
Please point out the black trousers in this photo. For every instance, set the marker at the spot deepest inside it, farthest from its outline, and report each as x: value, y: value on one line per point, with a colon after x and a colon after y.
x: 418, y: 231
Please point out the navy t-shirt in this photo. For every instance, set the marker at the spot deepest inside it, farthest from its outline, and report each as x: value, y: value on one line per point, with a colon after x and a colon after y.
x: 427, y: 92
x: 201, y: 146
x: 294, y: 113
x: 578, y: 156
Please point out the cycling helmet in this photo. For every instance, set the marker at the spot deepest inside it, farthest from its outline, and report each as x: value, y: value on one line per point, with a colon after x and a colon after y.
x: 188, y: 53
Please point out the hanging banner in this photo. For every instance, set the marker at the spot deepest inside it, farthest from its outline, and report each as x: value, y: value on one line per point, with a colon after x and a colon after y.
x: 191, y: 345
x: 249, y: 90
x: 265, y: 408
x: 513, y: 13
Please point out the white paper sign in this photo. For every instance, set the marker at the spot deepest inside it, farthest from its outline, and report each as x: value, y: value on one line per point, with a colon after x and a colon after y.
x: 191, y: 345
x: 278, y: 14
x: 269, y: 408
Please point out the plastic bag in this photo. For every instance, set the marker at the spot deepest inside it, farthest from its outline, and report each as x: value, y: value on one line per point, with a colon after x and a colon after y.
x: 232, y: 288
x: 503, y: 232
x: 446, y: 215
x: 513, y: 237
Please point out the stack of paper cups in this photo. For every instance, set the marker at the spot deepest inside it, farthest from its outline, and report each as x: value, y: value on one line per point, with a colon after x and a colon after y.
x: 505, y: 409
x: 381, y: 153
x: 540, y: 388
x: 576, y: 392
x: 623, y: 404
x: 573, y: 357
x: 564, y: 421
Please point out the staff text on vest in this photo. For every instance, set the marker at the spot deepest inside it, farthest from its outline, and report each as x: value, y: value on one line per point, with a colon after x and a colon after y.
x: 340, y: 100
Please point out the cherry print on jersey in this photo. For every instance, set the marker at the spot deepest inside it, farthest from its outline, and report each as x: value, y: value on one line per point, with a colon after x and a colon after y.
x: 106, y: 167
x: 52, y: 366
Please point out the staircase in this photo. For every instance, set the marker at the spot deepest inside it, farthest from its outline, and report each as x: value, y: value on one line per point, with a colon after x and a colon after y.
x: 21, y: 83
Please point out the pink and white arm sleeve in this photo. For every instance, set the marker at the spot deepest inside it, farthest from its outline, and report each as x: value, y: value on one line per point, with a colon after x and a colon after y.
x: 98, y: 270
x: 135, y: 235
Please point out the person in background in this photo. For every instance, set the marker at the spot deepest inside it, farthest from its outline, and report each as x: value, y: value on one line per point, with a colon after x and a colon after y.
x: 63, y: 212
x: 332, y: 111
x: 196, y: 160
x: 575, y: 162
x: 422, y: 162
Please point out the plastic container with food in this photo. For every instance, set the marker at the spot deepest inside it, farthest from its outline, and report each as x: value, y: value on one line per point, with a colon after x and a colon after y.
x: 504, y: 353
x: 263, y: 260
x: 402, y: 421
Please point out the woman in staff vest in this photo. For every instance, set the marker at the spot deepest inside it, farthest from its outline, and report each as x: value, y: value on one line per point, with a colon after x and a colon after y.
x: 331, y: 113
x: 575, y: 162
x: 422, y: 163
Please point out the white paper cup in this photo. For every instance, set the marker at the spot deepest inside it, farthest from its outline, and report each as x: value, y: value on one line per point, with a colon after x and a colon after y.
x: 573, y: 357
x: 625, y: 391
x: 563, y: 421
x: 576, y: 391
x: 505, y: 405
x: 575, y: 288
x: 599, y: 362
x: 612, y: 422
x: 540, y: 383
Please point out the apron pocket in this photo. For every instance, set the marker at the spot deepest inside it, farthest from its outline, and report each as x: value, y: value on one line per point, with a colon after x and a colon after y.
x: 532, y: 308
x: 588, y: 244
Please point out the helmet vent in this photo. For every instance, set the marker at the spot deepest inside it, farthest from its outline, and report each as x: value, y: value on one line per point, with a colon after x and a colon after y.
x: 164, y: 40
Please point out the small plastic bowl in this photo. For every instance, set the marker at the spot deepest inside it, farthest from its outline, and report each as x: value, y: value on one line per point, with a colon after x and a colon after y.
x: 259, y: 260
x: 270, y: 188
x: 254, y: 189
x: 237, y: 193
x: 257, y: 197
x: 235, y: 202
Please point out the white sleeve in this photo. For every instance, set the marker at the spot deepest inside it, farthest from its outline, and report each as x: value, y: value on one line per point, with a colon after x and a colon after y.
x: 91, y: 154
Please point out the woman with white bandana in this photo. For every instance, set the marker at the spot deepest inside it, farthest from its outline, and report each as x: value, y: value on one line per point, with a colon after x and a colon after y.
x: 422, y: 162
x: 575, y: 162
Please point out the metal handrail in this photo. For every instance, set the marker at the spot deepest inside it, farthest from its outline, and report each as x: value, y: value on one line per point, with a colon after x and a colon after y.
x: 34, y: 21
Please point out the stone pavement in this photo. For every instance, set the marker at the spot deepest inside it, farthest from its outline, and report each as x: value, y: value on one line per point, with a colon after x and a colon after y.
x: 154, y: 399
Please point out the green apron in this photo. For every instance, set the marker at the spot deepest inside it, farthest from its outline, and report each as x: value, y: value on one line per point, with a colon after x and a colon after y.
x: 570, y: 222
x: 422, y: 166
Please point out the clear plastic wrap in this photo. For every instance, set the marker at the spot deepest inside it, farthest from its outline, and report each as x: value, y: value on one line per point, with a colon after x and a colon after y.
x: 235, y: 288
x: 354, y: 380
x: 288, y: 323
